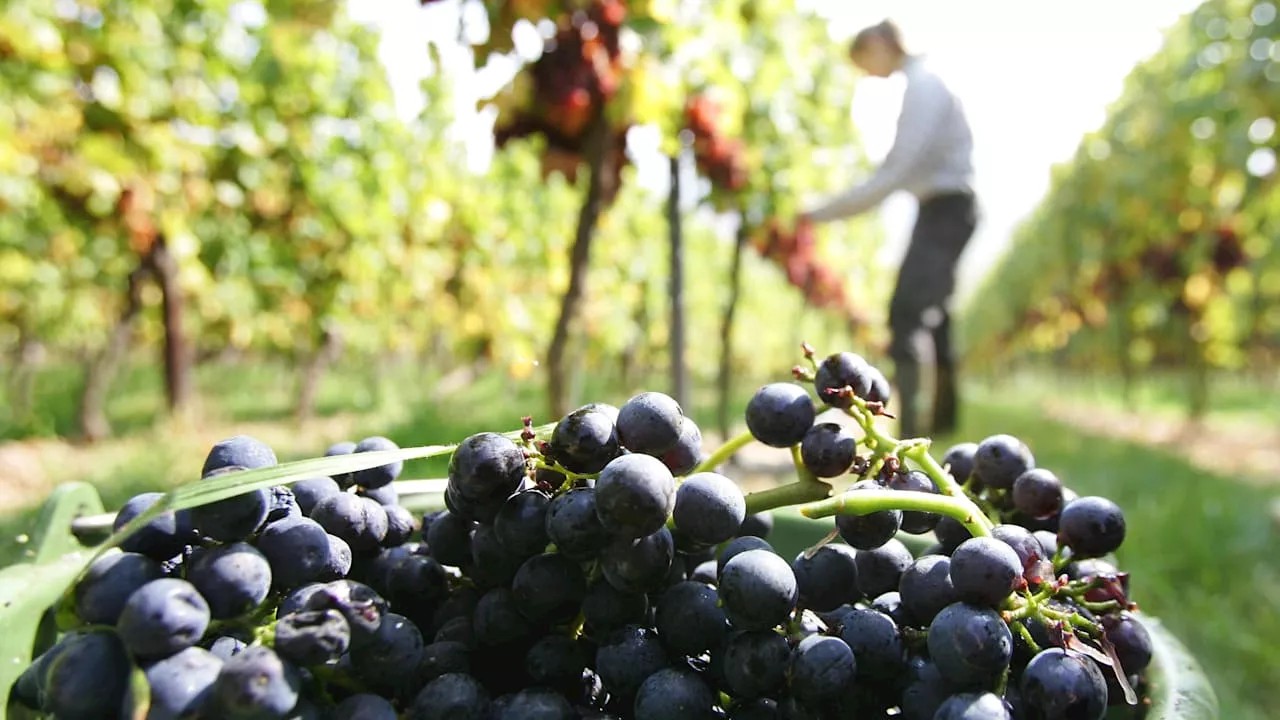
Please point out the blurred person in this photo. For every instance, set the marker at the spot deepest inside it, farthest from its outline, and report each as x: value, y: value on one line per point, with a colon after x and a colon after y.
x: 931, y: 158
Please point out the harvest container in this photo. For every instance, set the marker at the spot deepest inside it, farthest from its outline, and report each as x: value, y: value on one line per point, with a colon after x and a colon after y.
x: 72, y: 519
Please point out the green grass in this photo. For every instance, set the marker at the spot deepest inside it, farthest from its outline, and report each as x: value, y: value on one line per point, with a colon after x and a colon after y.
x: 1201, y: 549
x: 1233, y: 397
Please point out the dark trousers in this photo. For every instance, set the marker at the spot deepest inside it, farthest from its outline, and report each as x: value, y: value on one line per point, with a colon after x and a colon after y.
x: 926, y: 281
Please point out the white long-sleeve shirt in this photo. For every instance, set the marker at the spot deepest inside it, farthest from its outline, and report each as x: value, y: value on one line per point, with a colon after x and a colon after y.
x: 932, y: 149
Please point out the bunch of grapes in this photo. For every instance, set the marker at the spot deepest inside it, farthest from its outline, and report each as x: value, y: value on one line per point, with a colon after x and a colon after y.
x: 795, y: 251
x: 718, y: 157
x: 605, y: 568
x: 576, y: 75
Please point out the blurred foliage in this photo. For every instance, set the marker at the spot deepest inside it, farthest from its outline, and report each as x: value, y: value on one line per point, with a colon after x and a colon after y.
x: 1156, y: 243
x: 262, y: 142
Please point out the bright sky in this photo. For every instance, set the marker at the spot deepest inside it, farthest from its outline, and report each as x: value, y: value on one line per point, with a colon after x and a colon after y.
x: 1034, y: 77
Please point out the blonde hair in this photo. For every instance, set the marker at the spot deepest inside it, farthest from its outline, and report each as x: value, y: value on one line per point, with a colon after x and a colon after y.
x: 885, y: 30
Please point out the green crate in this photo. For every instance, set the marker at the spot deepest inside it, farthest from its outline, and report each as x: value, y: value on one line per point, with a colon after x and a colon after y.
x: 1178, y: 688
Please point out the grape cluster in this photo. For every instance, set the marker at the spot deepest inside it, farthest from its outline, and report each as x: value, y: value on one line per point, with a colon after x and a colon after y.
x: 578, y: 72
x: 606, y: 569
x: 719, y: 157
x: 795, y: 251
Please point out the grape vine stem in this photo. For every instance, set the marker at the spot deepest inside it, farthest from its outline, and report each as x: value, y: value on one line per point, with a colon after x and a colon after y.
x: 724, y: 452
x: 862, y: 502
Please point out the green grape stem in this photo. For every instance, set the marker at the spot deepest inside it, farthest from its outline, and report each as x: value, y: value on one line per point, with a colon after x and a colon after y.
x: 863, y: 502
x: 724, y: 452
x: 796, y: 493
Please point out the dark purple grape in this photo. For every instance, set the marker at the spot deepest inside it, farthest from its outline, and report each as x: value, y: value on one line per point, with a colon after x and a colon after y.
x: 163, y: 617
x: 452, y: 696
x: 758, y: 589
x: 179, y: 684
x: 363, y: 608
x: 950, y: 533
x: 869, y: 531
x: 1000, y: 459
x: 828, y: 450
x: 86, y: 677
x: 971, y: 646
x: 532, y: 704
x: 498, y: 620
x: 1031, y: 555
x: 635, y: 495
x: 1131, y: 640
x: 107, y: 584
x: 876, y: 643
x: 232, y: 519
x: 926, y: 588
x: 312, y: 637
x: 959, y: 459
x: 389, y: 658
x: 449, y: 539
x: 827, y: 579
x: 311, y: 491
x: 880, y: 388
x: 255, y: 683
x: 1048, y: 543
x: 1059, y: 685
x: 685, y: 456
x: 674, y: 694
x: 574, y: 526
x: 401, y: 524
x: 521, y: 524
x: 382, y: 475
x: 689, y: 619
x: 626, y: 657
x: 556, y: 661
x: 241, y: 452
x: 841, y: 370
x: 492, y: 565
x: 1038, y: 493
x: 740, y: 545
x: 780, y: 414
x: 386, y: 496
x: 1091, y: 527
x: 984, y: 571
x: 880, y: 569
x: 757, y: 524
x: 585, y: 440
x: 366, y: 706
x: 344, y: 447
x: 635, y: 566
x: 925, y: 691
x: 606, y: 608
x: 440, y: 658
x: 709, y: 508
x: 233, y: 578
x: 821, y: 667
x: 281, y: 504
x: 549, y: 587
x: 650, y: 423
x: 162, y: 537
x: 915, y: 522
x: 486, y: 468
x: 755, y: 663
x: 360, y: 522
